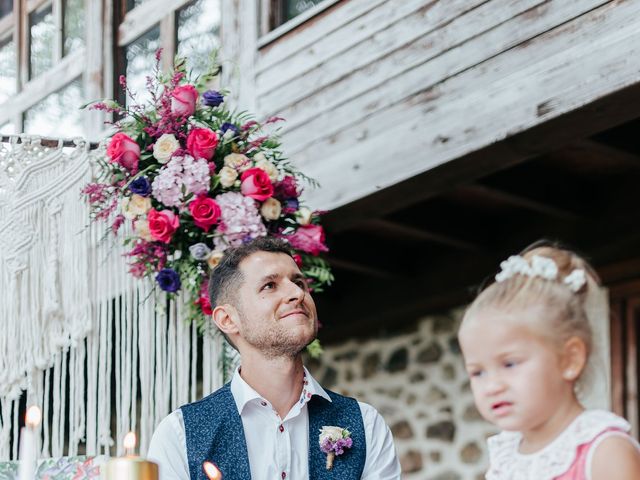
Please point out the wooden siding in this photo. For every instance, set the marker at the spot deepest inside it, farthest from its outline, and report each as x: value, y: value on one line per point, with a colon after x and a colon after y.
x: 379, y: 91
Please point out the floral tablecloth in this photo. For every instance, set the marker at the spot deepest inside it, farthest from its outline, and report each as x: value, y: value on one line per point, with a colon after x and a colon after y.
x: 64, y: 468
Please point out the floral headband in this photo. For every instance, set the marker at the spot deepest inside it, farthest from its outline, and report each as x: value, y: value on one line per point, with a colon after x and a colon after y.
x: 542, y: 267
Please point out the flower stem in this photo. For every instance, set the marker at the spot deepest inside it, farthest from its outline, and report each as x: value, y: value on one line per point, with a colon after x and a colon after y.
x: 330, y: 457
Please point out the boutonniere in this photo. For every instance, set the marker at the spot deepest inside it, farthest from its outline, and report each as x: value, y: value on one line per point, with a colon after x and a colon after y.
x: 333, y: 441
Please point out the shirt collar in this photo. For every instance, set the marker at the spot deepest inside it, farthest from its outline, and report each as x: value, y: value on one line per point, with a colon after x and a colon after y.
x: 243, y: 393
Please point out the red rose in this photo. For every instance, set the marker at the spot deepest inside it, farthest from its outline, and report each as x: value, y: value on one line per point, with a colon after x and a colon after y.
x: 256, y: 184
x: 205, y: 305
x: 308, y: 238
x: 124, y: 151
x: 202, y: 143
x: 205, y: 212
x: 183, y: 100
x: 298, y: 259
x: 203, y: 298
x: 162, y: 225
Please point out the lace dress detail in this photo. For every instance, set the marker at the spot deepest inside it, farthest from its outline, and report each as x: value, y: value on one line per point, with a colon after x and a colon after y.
x: 506, y: 463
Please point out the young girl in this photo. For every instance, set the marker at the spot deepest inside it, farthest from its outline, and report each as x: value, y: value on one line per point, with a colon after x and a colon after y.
x: 526, y: 340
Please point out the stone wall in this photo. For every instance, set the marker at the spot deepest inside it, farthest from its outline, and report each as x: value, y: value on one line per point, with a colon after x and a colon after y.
x: 418, y: 383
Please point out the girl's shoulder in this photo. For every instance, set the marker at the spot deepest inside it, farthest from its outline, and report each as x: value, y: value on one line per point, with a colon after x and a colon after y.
x: 556, y: 458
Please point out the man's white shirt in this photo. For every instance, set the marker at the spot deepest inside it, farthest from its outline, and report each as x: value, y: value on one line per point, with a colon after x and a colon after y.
x: 277, y: 448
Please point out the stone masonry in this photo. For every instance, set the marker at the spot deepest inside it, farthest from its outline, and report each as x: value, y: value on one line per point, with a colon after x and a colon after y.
x: 418, y: 383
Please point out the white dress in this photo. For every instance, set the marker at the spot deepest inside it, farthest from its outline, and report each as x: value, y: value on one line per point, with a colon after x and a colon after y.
x: 567, y: 457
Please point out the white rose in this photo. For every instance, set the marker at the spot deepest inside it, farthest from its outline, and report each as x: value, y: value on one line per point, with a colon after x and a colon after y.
x: 259, y: 157
x: 164, y: 147
x: 213, y: 259
x: 332, y: 433
x: 227, y: 176
x: 269, y: 168
x: 238, y: 161
x: 141, y: 227
x: 304, y: 216
x: 271, y: 209
x: 135, y: 205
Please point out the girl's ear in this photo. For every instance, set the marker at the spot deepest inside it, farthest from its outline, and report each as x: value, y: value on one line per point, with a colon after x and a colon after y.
x: 575, y: 358
x: 225, y: 318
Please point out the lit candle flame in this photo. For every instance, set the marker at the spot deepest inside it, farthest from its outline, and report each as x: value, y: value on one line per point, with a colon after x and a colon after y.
x: 211, y: 471
x: 33, y: 416
x: 129, y: 443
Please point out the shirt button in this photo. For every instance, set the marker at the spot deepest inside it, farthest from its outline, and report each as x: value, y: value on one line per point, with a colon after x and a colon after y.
x: 281, y: 428
x: 263, y: 403
x: 284, y: 475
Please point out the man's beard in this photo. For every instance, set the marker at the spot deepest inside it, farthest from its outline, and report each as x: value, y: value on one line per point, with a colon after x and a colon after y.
x: 276, y: 342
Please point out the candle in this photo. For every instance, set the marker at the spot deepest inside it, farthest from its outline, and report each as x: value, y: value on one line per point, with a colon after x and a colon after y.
x: 28, y: 442
x: 211, y: 471
x: 131, y: 467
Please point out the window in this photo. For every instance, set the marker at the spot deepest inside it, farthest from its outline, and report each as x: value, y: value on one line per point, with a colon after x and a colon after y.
x: 56, y: 55
x: 278, y: 12
x: 57, y: 115
x: 190, y: 29
x: 42, y: 58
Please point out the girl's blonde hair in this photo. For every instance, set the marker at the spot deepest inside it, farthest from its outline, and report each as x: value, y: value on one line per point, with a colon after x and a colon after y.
x: 565, y: 314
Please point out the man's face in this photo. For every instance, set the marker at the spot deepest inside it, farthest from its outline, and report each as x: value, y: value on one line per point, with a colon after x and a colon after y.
x: 277, y: 315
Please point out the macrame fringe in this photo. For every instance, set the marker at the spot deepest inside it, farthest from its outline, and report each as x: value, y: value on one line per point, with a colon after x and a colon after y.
x: 76, y: 324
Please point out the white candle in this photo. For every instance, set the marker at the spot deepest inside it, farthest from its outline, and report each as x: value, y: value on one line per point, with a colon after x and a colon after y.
x: 28, y: 444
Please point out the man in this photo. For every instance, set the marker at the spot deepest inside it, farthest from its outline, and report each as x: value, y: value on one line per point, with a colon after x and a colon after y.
x: 265, y: 423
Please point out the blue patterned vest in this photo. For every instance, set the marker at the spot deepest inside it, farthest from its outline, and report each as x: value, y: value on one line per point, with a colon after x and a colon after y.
x: 214, y: 432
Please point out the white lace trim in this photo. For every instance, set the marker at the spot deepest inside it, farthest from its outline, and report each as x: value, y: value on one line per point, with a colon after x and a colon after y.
x: 555, y: 458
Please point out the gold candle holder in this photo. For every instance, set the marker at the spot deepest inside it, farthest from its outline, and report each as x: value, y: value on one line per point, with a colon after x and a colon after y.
x: 131, y: 467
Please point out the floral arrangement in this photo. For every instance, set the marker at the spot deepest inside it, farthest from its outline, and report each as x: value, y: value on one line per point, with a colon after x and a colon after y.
x: 333, y: 442
x: 189, y: 178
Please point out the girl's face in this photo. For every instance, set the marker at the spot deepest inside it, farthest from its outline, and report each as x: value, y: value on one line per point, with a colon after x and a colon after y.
x: 516, y: 373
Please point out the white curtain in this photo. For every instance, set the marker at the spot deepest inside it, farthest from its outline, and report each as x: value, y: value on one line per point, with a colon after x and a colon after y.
x: 99, y: 351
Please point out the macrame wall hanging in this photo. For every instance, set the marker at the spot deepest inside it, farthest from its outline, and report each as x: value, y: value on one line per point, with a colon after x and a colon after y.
x: 101, y: 353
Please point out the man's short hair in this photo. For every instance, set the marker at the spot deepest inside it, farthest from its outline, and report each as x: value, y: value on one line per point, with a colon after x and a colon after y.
x: 226, y: 276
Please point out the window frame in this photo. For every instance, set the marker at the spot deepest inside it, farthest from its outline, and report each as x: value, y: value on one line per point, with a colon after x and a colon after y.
x: 270, y: 13
x: 63, y: 71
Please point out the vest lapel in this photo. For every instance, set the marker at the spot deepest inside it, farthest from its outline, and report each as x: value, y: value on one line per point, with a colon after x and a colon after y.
x: 340, y: 412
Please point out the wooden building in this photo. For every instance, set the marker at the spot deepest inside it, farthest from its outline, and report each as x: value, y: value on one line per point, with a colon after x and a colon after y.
x: 447, y: 135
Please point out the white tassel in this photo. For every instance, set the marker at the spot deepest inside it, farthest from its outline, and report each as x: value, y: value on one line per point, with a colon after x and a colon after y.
x: 66, y: 291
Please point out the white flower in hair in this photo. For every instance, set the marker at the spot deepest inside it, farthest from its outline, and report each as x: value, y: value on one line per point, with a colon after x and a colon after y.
x: 576, y: 279
x: 543, y: 267
x: 513, y: 265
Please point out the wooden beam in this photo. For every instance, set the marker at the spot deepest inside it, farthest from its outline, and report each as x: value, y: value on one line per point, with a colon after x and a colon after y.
x: 360, y: 268
x: 603, y: 113
x: 407, y: 231
x: 521, y: 201
x: 450, y: 280
x: 608, y: 152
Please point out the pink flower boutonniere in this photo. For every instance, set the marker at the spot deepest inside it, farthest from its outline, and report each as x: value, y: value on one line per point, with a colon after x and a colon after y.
x: 334, y: 441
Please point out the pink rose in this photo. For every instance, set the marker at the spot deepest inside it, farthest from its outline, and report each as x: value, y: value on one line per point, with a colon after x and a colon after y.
x: 202, y: 143
x: 162, y: 225
x: 124, y: 151
x: 205, y: 212
x: 256, y: 184
x: 308, y: 238
x: 183, y: 100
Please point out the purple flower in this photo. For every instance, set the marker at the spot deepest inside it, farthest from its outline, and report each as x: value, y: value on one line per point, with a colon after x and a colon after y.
x: 212, y: 98
x: 229, y: 127
x: 140, y: 186
x: 168, y: 280
x: 290, y: 205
